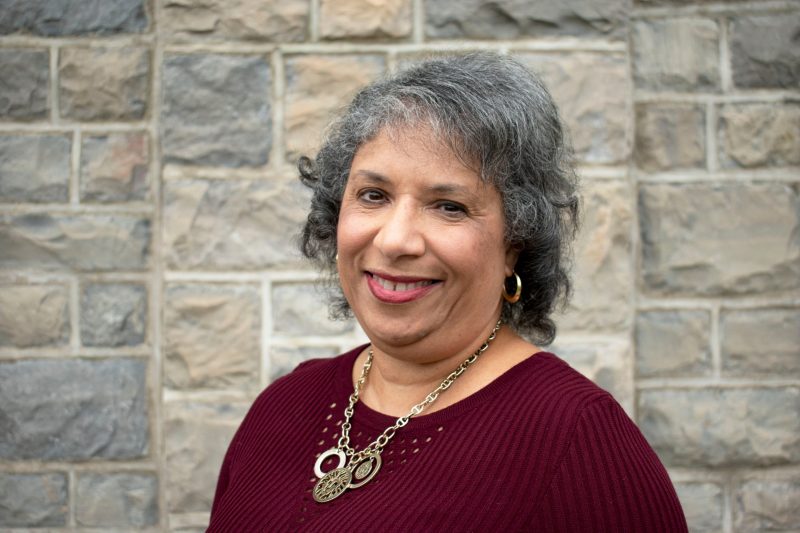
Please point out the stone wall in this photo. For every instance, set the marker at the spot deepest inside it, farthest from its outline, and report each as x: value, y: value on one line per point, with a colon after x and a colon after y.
x: 150, y: 287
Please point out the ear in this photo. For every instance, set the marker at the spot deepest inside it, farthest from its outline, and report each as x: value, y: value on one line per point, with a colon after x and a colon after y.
x: 512, y: 254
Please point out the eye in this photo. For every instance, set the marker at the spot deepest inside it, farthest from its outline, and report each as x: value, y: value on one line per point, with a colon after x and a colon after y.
x: 452, y: 209
x: 372, y: 196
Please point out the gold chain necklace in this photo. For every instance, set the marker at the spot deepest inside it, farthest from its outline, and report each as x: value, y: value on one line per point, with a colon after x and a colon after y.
x: 365, y: 463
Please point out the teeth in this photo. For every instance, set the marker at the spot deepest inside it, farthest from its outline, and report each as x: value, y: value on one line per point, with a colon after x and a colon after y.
x: 391, y: 286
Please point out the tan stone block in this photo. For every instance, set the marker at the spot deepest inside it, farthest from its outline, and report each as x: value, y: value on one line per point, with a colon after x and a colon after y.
x: 592, y: 92
x: 34, y: 315
x: 702, y: 505
x: 282, y: 21
x: 196, y: 437
x: 283, y: 359
x: 760, y: 341
x: 229, y: 224
x: 757, y: 135
x: 114, y: 167
x: 212, y: 336
x: 347, y: 19
x: 302, y: 308
x: 602, y: 267
x: 670, y: 136
x: 673, y: 343
x: 680, y: 54
x: 104, y: 83
x: 317, y: 86
x: 767, y: 504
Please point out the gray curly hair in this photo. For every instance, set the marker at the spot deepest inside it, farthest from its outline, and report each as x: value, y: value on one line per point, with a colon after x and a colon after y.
x: 500, y: 120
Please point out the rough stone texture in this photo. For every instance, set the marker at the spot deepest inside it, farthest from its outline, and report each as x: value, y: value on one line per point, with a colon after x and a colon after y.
x: 33, y: 315
x: 283, y: 359
x: 673, y: 343
x: 238, y: 19
x: 603, y: 273
x: 513, y: 19
x: 212, y: 336
x: 714, y: 239
x: 114, y: 167
x: 75, y: 409
x: 113, y: 314
x: 767, y: 505
x: 702, y: 505
x: 765, y: 52
x: 87, y: 242
x: 722, y: 427
x: 121, y: 500
x: 592, y: 92
x: 760, y: 341
x: 679, y: 54
x: 225, y: 224
x: 104, y: 83
x: 348, y: 19
x: 301, y: 309
x: 755, y: 135
x: 33, y: 500
x: 317, y: 86
x: 669, y: 137
x: 216, y: 110
x: 34, y: 168
x: 24, y: 83
x: 51, y: 18
x: 606, y: 363
x: 196, y: 438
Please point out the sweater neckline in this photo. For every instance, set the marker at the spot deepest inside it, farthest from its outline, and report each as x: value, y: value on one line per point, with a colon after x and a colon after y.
x: 379, y: 421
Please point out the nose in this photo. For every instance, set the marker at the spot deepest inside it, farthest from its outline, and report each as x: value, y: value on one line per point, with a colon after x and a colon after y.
x: 401, y: 232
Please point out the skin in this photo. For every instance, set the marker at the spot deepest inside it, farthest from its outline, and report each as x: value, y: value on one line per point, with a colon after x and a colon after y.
x: 413, y: 213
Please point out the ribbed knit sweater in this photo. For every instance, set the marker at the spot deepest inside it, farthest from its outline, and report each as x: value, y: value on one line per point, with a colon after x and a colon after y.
x: 541, y: 448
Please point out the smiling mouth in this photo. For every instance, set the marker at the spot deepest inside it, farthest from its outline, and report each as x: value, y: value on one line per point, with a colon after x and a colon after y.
x: 399, y: 290
x: 397, y: 286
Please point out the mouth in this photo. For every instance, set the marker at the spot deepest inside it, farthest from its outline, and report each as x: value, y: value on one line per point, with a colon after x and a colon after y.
x: 399, y: 289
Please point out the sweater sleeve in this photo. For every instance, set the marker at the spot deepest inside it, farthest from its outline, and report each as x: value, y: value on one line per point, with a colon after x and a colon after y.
x: 609, y: 479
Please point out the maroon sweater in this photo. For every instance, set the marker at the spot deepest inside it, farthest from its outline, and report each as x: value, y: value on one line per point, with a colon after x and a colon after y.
x: 541, y: 448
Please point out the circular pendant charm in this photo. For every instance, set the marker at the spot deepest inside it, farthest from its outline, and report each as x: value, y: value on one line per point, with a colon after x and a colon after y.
x: 365, y: 470
x: 328, y: 453
x: 332, y: 484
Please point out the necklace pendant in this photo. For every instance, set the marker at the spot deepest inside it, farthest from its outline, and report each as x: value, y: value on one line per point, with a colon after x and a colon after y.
x: 365, y: 469
x: 332, y: 485
x: 324, y: 456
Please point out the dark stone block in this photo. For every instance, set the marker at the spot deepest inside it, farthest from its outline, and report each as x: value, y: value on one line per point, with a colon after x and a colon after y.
x: 33, y: 500
x: 765, y: 51
x: 113, y: 314
x: 24, y: 82
x: 53, y: 18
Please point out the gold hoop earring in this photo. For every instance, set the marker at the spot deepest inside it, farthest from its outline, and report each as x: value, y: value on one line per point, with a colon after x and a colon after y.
x: 513, y: 298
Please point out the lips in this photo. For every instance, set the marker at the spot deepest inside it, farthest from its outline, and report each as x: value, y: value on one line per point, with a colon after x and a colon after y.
x: 399, y: 289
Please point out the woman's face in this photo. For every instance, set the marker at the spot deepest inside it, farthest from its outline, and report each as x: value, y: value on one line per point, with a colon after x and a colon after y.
x: 422, y: 255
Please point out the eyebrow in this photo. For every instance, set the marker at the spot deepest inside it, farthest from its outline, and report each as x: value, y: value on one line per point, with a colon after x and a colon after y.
x: 440, y: 188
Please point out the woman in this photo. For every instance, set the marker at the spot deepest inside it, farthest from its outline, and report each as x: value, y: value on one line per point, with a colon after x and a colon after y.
x: 444, y: 204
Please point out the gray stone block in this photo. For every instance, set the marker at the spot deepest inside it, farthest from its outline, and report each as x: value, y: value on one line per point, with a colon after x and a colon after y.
x: 302, y: 308
x: 760, y: 341
x: 603, y: 271
x: 74, y: 409
x: 117, y: 500
x: 592, y: 92
x: 719, y: 239
x: 759, y: 135
x: 227, y: 224
x: 196, y: 437
x: 722, y: 427
x: 217, y: 110
x: 673, y: 343
x: 104, y: 83
x: 283, y: 359
x: 34, y: 168
x: 86, y: 243
x: 34, y: 315
x: 212, y: 335
x: 702, y: 505
x: 53, y: 18
x: 33, y: 500
x: 513, y: 19
x: 114, y: 167
x: 680, y: 54
x: 767, y: 505
x: 238, y: 19
x: 113, y: 314
x: 670, y: 136
x: 764, y: 51
x: 24, y: 83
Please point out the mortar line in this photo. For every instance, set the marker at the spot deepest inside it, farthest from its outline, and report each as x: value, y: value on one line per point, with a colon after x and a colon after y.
x: 71, y: 496
x: 52, y: 94
x: 278, y: 89
x: 74, y: 315
x: 727, y: 505
x: 266, y: 330
x: 418, y: 21
x: 74, y: 167
x: 313, y: 20
x: 725, y: 67
x: 712, y: 154
x: 716, y: 351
